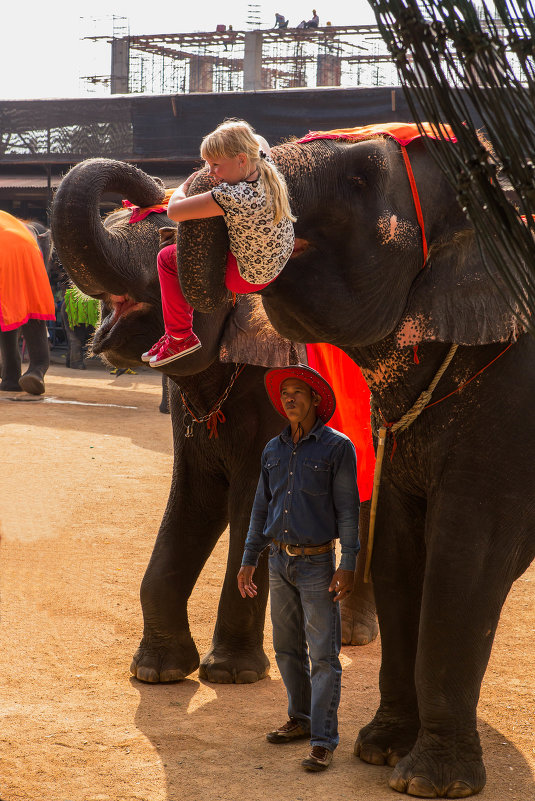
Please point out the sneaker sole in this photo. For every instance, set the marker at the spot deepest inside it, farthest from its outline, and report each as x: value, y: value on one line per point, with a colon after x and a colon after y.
x: 314, y: 767
x: 161, y: 362
x: 271, y: 738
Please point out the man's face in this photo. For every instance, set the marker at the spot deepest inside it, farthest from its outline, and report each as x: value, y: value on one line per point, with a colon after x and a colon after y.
x: 298, y: 400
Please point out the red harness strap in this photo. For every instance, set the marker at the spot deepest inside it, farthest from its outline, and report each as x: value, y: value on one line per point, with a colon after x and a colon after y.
x: 417, y: 205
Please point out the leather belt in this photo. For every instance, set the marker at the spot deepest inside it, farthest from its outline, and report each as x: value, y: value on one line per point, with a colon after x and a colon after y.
x: 304, y: 550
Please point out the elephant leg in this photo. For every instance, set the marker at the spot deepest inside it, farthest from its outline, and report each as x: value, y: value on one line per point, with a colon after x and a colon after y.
x: 469, y: 570
x: 237, y: 653
x: 397, y: 570
x: 359, y: 620
x: 11, y: 361
x: 195, y: 518
x: 36, y: 336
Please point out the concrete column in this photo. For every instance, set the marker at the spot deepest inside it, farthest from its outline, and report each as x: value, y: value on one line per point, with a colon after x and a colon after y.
x: 328, y: 70
x: 120, y: 63
x: 201, y: 72
x: 252, y: 61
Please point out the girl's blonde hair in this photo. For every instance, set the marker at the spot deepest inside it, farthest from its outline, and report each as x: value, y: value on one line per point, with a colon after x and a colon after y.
x: 237, y: 136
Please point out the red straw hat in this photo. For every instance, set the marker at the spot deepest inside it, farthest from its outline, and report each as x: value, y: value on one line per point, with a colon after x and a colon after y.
x: 274, y: 378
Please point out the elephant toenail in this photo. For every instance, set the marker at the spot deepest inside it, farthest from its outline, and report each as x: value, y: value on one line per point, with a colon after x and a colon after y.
x: 421, y: 787
x: 459, y: 789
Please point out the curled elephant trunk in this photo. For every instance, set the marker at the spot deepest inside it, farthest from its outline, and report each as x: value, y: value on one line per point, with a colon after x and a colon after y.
x: 93, y: 256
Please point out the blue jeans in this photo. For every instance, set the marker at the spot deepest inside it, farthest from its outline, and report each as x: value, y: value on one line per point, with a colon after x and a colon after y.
x: 307, y: 640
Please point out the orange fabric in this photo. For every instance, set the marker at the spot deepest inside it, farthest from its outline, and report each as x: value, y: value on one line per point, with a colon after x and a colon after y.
x: 352, y: 414
x: 25, y: 291
x: 139, y: 213
x: 402, y: 132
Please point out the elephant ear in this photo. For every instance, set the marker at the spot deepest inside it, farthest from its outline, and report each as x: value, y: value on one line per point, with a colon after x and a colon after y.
x: 250, y: 338
x: 457, y: 298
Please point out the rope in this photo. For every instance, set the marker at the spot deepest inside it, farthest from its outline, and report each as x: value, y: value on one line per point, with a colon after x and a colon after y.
x: 423, y: 399
x: 401, y: 425
x: 215, y: 415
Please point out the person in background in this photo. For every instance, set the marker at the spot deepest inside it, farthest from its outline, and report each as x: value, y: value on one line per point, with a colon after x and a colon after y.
x: 314, y: 22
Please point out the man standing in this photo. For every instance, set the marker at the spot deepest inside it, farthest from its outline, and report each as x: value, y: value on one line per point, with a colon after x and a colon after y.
x: 306, y: 498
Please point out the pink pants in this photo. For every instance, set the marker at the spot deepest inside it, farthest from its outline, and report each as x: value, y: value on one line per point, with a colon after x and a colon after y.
x: 177, y: 313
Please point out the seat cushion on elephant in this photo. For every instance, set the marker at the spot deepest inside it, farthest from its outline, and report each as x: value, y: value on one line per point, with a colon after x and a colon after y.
x: 250, y: 338
x: 25, y: 292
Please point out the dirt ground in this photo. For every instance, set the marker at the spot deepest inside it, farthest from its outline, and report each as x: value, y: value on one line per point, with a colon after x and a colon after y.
x: 85, y: 481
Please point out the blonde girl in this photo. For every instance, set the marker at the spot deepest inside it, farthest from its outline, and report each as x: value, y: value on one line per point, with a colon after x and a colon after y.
x: 252, y: 196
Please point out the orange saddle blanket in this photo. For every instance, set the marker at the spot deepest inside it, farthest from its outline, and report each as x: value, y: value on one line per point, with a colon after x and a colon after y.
x: 352, y: 413
x: 25, y: 291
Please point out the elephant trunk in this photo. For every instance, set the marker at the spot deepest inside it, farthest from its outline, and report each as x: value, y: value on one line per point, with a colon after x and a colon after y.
x: 92, y: 255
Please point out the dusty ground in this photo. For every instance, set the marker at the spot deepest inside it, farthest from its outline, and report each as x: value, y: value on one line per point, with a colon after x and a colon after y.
x: 82, y: 493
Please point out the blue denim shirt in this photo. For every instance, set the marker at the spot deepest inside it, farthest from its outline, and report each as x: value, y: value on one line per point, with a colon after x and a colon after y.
x: 307, y: 494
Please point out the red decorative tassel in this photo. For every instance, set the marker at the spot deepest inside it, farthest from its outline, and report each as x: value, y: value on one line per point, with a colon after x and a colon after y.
x: 213, y: 420
x: 415, y: 352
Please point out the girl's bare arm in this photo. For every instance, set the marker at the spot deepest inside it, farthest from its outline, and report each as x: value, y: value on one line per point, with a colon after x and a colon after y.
x: 197, y: 207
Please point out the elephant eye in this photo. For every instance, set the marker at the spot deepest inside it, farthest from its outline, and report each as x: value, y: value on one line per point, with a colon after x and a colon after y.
x: 358, y: 180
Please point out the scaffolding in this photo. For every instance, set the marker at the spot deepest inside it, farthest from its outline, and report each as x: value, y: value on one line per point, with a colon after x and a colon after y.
x: 230, y: 61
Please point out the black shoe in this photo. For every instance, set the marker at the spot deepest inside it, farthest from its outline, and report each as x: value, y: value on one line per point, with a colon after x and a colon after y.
x: 319, y: 758
x: 292, y: 730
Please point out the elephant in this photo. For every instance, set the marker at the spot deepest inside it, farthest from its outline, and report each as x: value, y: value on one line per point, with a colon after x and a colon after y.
x: 215, y: 470
x: 386, y: 266
x: 34, y: 327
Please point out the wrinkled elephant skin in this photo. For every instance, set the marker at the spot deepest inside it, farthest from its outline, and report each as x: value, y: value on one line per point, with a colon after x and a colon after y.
x: 455, y: 518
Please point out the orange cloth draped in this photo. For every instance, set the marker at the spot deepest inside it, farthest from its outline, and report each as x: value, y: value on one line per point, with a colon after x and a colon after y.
x: 402, y: 132
x: 25, y: 291
x: 352, y: 414
x: 139, y: 213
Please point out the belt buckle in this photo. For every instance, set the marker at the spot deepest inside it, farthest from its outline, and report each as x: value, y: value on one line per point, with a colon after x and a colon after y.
x: 288, y: 545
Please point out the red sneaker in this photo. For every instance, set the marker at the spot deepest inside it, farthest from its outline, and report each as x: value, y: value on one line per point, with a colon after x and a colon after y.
x: 172, y: 349
x: 147, y: 356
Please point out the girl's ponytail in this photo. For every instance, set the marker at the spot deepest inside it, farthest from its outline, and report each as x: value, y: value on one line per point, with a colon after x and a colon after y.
x: 276, y: 190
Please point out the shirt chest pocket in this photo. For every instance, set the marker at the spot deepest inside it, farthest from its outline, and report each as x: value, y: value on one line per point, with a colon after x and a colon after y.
x: 316, y: 477
x: 272, y: 465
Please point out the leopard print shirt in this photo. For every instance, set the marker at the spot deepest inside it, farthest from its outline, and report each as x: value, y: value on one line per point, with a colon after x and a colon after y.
x: 261, y: 248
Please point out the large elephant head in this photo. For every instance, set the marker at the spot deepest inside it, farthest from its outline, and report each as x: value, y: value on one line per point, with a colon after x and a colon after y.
x: 357, y: 272
x: 115, y: 261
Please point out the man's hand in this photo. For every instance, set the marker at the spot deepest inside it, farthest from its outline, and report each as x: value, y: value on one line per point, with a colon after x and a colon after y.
x: 342, y: 584
x: 246, y: 584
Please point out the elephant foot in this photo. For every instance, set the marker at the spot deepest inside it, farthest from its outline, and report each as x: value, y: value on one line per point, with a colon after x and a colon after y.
x: 172, y: 661
x: 359, y: 624
x: 31, y: 383
x: 10, y: 386
x: 386, y: 740
x: 222, y: 666
x: 449, y: 767
x: 76, y: 366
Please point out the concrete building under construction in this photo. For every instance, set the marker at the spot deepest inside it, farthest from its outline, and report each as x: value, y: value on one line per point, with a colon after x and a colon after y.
x: 232, y: 61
